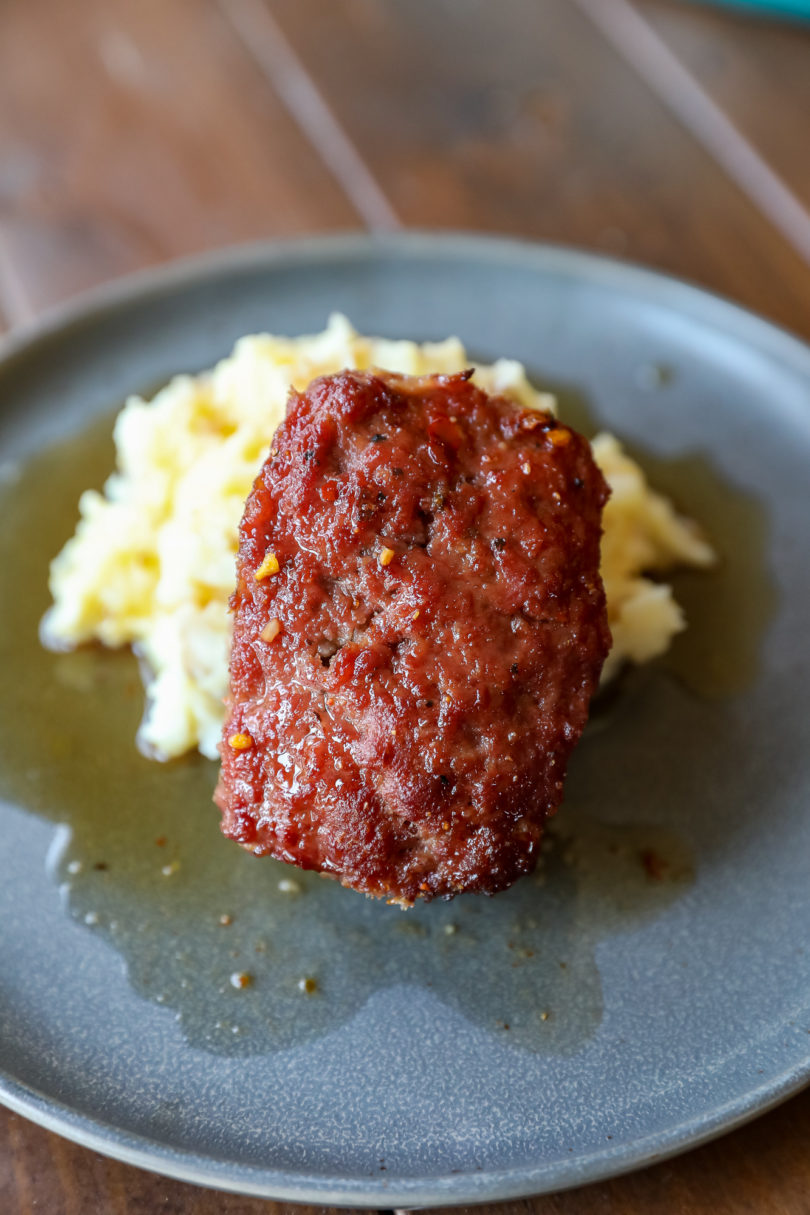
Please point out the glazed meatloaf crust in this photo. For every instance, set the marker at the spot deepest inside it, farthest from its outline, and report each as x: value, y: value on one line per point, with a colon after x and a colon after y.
x: 419, y: 625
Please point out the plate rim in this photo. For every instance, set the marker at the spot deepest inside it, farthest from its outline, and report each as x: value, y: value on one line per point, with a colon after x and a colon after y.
x: 352, y: 244
x: 456, y: 1189
x: 493, y: 1185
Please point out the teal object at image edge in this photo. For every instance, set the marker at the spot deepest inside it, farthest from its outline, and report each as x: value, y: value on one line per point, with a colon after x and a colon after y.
x: 780, y: 8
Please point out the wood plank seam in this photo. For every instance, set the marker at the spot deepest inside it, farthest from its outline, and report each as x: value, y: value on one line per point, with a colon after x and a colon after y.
x: 265, y: 42
x: 637, y: 42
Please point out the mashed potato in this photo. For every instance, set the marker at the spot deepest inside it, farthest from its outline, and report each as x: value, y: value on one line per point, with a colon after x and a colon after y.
x: 152, y: 562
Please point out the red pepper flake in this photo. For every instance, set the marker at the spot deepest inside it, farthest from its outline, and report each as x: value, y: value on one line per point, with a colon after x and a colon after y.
x: 271, y: 630
x: 240, y: 742
x: 268, y: 566
x: 329, y: 491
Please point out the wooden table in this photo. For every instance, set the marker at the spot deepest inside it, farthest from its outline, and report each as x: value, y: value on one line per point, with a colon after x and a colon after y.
x: 133, y: 131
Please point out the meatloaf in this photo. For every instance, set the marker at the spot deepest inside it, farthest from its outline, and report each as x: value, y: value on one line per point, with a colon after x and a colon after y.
x: 419, y: 626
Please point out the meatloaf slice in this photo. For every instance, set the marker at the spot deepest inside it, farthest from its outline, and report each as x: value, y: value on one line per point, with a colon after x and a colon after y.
x: 419, y: 625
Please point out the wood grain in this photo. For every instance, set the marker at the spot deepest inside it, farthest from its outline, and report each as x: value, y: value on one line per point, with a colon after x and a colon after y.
x: 757, y: 71
x: 638, y: 43
x: 43, y: 1174
x: 762, y: 1169
x: 134, y: 132
x: 137, y: 133
x: 519, y: 117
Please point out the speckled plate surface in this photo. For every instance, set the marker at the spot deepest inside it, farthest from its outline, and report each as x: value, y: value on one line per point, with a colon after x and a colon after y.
x: 648, y: 990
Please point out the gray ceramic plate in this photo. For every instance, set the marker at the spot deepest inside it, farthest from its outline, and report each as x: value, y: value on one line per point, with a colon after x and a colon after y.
x: 649, y: 990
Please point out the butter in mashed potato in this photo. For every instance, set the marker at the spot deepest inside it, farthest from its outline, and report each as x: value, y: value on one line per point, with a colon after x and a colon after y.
x: 151, y: 564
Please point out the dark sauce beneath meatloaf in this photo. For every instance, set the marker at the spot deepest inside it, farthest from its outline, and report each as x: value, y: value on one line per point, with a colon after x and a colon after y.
x: 419, y: 625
